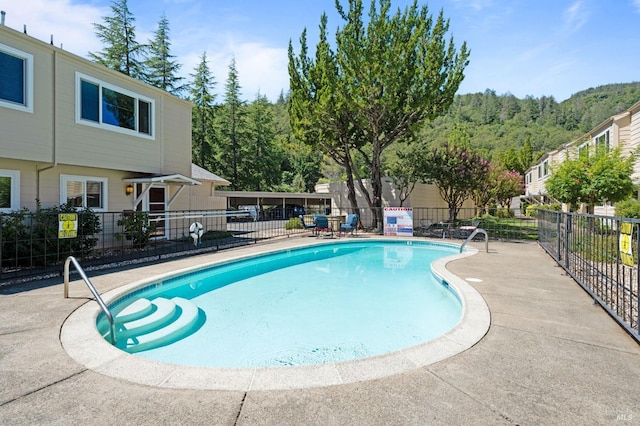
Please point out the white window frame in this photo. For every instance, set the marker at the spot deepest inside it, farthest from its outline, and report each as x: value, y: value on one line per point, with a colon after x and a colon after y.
x: 105, y: 190
x: 607, y: 139
x: 14, y: 175
x: 113, y: 128
x: 583, y: 148
x: 28, y: 80
x: 543, y: 170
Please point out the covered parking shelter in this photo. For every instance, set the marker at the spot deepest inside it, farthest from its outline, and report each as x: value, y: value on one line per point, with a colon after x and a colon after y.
x: 312, y: 202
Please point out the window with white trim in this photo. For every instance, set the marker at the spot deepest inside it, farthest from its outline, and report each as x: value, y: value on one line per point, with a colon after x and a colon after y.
x: 16, y: 79
x: 84, y: 192
x: 602, y: 140
x: 9, y: 190
x: 543, y: 169
x: 113, y: 108
x: 583, y: 150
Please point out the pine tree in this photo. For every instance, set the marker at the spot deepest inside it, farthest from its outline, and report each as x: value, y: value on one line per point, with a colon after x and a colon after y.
x: 232, y: 149
x: 264, y: 155
x: 121, y: 50
x: 161, y: 68
x: 203, y: 98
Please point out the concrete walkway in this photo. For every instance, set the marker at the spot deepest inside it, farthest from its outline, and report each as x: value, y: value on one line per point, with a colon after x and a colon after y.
x: 549, y: 357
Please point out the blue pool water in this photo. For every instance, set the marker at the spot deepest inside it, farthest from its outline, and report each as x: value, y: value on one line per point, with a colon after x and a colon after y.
x: 321, y: 304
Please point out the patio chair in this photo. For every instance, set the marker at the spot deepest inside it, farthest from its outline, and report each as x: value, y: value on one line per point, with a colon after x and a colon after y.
x: 430, y: 229
x: 322, y: 225
x: 465, y: 231
x: 350, y: 225
x: 311, y: 226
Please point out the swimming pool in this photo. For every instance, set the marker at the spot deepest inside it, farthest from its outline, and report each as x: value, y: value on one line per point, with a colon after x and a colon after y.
x: 314, y: 305
x: 84, y: 344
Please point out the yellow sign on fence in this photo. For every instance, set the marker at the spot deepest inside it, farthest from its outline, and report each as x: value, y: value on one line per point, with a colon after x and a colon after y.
x: 626, y: 243
x: 67, y: 225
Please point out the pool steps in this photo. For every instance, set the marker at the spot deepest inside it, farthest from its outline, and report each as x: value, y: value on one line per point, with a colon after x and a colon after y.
x: 147, y: 324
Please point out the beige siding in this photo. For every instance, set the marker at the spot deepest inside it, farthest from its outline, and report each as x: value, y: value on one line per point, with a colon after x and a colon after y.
x: 203, y: 197
x: 52, y: 140
x: 51, y: 134
x: 28, y: 135
x: 634, y: 138
x: 176, y: 130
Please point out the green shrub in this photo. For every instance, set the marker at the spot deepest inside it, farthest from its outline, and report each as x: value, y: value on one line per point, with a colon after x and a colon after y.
x: 137, y: 228
x: 505, y: 213
x: 31, y: 238
x: 14, y: 237
x: 293, y: 223
x: 628, y: 208
x: 532, y: 210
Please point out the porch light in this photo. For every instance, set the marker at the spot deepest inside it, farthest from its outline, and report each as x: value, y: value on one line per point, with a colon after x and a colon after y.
x: 128, y: 189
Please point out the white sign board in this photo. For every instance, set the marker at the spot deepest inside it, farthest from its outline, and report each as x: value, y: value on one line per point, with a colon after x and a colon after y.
x: 398, y: 221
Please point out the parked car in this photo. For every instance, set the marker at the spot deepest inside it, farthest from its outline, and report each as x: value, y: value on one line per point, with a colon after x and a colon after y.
x: 286, y: 212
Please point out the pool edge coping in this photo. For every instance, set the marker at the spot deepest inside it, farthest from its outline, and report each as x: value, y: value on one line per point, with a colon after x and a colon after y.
x: 83, y: 343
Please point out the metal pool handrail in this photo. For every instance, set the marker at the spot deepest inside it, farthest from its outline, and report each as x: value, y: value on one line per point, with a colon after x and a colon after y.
x: 87, y: 281
x: 473, y: 234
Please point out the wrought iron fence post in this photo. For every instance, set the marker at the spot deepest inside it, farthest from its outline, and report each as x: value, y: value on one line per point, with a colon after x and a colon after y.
x: 637, y: 288
x: 558, y: 235
x: 567, y: 231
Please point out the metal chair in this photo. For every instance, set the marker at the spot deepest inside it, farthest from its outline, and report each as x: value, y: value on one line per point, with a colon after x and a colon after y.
x: 350, y: 225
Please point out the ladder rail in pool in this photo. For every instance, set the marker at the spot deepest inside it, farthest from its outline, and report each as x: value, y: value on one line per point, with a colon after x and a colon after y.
x: 87, y: 281
x: 473, y: 234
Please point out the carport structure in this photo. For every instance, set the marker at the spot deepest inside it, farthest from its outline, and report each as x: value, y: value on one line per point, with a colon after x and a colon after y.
x: 312, y: 202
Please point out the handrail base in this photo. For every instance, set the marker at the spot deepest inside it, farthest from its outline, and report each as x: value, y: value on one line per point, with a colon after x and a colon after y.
x: 473, y: 234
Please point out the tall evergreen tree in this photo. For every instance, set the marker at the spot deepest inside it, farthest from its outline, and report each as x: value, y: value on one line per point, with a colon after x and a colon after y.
x: 264, y: 155
x: 232, y: 148
x: 118, y: 34
x: 161, y: 68
x: 202, y: 97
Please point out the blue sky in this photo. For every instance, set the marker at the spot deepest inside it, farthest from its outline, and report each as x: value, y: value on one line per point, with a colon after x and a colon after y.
x: 524, y: 47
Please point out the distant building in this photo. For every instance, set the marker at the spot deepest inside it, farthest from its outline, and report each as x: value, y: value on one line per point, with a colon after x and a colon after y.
x: 621, y: 130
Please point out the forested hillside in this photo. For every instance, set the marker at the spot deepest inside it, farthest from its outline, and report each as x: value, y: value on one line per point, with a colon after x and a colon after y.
x: 494, y: 123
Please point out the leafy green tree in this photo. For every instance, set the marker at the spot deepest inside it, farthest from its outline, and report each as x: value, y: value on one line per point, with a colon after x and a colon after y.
x: 121, y: 52
x: 386, y: 78
x: 161, y: 68
x: 404, y: 173
x: 232, y: 150
x: 202, y: 97
x: 456, y: 170
x: 593, y: 177
x: 506, y: 185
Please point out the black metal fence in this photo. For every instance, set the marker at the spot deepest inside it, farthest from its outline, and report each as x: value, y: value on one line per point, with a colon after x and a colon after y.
x: 36, y: 244
x: 601, y: 254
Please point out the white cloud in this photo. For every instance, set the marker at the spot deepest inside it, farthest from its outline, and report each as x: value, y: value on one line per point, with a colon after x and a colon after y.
x: 261, y: 68
x: 636, y: 5
x: 576, y: 16
x: 70, y: 24
x: 477, y: 5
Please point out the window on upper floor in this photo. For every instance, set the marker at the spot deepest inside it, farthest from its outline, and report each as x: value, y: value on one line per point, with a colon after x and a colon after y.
x: 113, y: 108
x: 583, y: 150
x: 83, y: 192
x: 9, y: 190
x: 602, y: 140
x: 543, y: 169
x: 16, y: 79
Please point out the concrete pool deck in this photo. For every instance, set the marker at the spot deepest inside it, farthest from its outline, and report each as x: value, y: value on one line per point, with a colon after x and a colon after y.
x: 549, y: 357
